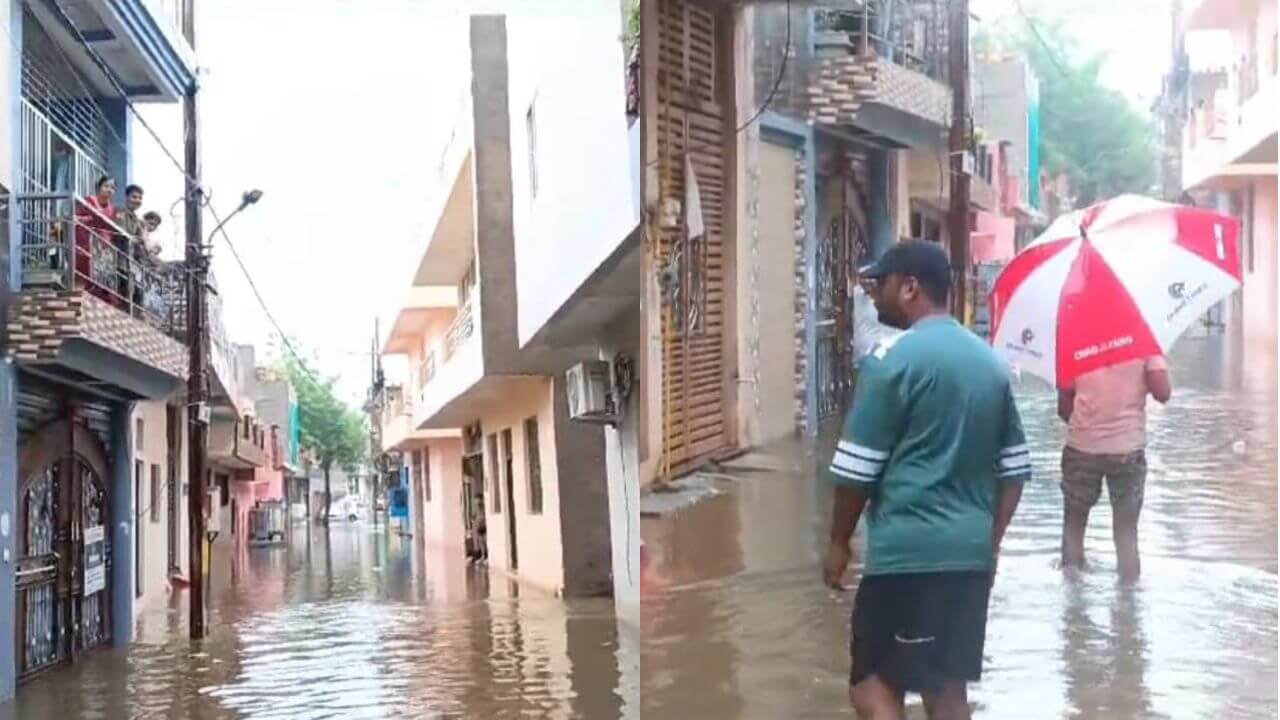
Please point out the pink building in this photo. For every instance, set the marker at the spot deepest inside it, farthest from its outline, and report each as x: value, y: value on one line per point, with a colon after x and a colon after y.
x: 1229, y: 141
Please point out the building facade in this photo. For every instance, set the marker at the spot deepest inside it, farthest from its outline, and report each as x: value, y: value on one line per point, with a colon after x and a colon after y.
x: 1224, y: 94
x: 90, y: 456
x: 782, y: 149
x: 531, y: 268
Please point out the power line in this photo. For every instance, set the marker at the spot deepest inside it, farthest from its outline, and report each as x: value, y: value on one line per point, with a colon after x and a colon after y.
x: 124, y: 94
x: 777, y: 83
x: 110, y: 75
x: 1053, y: 57
x: 261, y: 301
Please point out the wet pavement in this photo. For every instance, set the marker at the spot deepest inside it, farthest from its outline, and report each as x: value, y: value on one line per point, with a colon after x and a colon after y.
x: 355, y: 626
x: 736, y: 623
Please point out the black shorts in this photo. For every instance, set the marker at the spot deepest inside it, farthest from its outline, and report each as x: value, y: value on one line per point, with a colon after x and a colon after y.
x: 919, y: 632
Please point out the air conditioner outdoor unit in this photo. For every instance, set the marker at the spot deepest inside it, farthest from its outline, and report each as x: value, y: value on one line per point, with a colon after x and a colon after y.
x: 588, y: 386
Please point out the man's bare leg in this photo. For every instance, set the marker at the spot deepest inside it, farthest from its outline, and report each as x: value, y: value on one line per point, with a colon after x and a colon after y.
x: 952, y: 703
x: 1074, y: 524
x: 1124, y: 530
x: 874, y: 699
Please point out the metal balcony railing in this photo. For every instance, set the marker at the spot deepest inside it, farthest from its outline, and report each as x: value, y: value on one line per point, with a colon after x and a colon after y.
x: 68, y: 244
x: 460, y: 329
x: 1247, y: 78
x: 427, y: 369
x: 909, y: 33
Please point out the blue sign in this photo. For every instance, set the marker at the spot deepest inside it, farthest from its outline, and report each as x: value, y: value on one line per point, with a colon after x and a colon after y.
x: 400, y: 502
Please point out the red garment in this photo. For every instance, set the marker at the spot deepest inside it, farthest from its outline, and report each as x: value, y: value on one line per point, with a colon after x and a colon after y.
x: 94, y: 227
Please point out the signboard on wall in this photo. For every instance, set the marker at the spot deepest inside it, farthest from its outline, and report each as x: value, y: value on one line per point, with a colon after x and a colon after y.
x: 400, y: 502
x: 95, y: 571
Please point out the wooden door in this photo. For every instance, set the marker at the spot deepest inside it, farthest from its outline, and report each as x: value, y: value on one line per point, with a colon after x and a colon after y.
x: 694, y: 122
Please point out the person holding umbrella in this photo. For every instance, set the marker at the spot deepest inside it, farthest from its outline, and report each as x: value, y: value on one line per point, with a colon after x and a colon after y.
x: 1106, y: 415
x: 1093, y: 305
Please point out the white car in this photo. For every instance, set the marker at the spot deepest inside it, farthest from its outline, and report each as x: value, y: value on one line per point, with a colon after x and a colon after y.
x: 345, y: 507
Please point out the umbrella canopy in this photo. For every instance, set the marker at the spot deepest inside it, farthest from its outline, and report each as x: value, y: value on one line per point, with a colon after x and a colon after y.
x: 1117, y: 281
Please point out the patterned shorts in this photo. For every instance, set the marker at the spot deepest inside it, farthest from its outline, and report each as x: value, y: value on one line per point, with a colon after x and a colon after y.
x: 1082, y: 475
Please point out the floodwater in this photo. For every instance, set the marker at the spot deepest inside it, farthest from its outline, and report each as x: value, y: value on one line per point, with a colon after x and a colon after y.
x: 355, y: 626
x: 736, y: 622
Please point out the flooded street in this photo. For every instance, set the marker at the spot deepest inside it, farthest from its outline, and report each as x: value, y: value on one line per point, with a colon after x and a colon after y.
x: 355, y: 628
x: 737, y: 624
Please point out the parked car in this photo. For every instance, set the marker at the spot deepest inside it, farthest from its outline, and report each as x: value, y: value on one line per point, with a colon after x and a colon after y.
x: 346, y: 507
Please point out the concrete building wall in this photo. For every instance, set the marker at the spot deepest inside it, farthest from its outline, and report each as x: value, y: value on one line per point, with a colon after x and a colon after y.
x: 151, y: 509
x: 774, y: 371
x: 1260, y: 314
x: 1001, y: 106
x: 583, y: 490
x: 622, y: 454
x: 495, y: 317
x: 573, y: 199
x: 444, y: 533
x: 538, y: 537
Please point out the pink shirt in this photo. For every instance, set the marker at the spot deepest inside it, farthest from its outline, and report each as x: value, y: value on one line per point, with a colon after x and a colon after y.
x: 1110, y: 412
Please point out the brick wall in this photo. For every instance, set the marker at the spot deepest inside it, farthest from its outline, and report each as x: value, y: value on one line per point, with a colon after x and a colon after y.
x: 39, y: 321
x: 802, y: 294
x: 843, y: 84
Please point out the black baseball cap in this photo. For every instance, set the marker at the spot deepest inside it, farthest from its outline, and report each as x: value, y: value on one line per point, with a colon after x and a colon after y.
x: 923, y: 260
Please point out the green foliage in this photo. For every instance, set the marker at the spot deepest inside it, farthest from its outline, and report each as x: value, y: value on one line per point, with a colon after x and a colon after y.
x: 331, y: 430
x: 1088, y: 131
x: 631, y: 33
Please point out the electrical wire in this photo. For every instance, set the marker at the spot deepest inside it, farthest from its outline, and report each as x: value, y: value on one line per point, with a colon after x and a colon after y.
x: 194, y: 182
x: 261, y: 301
x: 777, y: 83
x: 1053, y: 56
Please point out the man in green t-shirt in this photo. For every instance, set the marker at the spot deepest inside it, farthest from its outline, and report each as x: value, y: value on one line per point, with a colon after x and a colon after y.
x: 934, y: 450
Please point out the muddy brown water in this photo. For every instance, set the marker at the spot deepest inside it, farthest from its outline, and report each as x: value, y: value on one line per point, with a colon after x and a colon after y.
x: 736, y: 623
x: 355, y: 625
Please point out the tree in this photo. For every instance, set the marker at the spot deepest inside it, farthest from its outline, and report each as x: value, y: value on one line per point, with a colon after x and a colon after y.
x: 1095, y: 135
x: 334, y: 433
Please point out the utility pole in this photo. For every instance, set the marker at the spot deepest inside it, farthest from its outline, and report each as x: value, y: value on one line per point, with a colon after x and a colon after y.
x: 958, y: 218
x: 197, y: 343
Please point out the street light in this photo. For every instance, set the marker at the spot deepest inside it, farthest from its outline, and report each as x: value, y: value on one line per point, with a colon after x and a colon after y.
x: 197, y: 391
x: 249, y: 197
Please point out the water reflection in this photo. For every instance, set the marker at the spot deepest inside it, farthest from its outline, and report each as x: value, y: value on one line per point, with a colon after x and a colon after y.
x: 739, y: 626
x: 354, y: 626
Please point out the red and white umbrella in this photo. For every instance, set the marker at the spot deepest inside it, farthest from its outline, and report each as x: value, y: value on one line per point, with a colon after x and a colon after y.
x: 1117, y: 281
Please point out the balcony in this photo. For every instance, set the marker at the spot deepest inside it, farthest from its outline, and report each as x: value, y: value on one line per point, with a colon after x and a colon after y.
x: 237, y: 444
x: 885, y: 86
x: 452, y: 363
x: 93, y: 307
x: 144, y: 43
x: 1230, y: 134
x: 425, y: 325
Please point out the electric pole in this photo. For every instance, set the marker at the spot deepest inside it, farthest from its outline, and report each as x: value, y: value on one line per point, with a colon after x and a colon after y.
x: 958, y: 218
x: 197, y: 343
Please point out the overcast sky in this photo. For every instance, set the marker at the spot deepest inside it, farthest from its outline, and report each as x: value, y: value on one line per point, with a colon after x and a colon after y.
x: 338, y: 110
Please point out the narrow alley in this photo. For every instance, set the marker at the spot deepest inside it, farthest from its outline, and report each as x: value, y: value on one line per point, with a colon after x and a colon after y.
x: 354, y: 627
x: 737, y: 623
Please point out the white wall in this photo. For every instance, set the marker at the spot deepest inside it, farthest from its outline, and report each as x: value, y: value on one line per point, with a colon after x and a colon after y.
x: 154, y: 534
x: 567, y: 63
x: 6, y: 93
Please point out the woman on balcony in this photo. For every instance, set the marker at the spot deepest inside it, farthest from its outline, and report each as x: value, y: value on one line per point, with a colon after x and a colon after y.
x: 95, y: 264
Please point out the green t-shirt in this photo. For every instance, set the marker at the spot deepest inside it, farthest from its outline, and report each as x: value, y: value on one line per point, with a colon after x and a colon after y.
x: 933, y: 432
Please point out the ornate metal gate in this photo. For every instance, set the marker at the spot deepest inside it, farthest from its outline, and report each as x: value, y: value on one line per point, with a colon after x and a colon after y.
x: 41, y: 626
x: 63, y: 493
x: 841, y: 249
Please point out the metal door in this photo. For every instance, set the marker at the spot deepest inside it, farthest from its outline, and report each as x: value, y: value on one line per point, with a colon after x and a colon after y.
x: 62, y: 494
x: 841, y: 248
x: 42, y: 626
